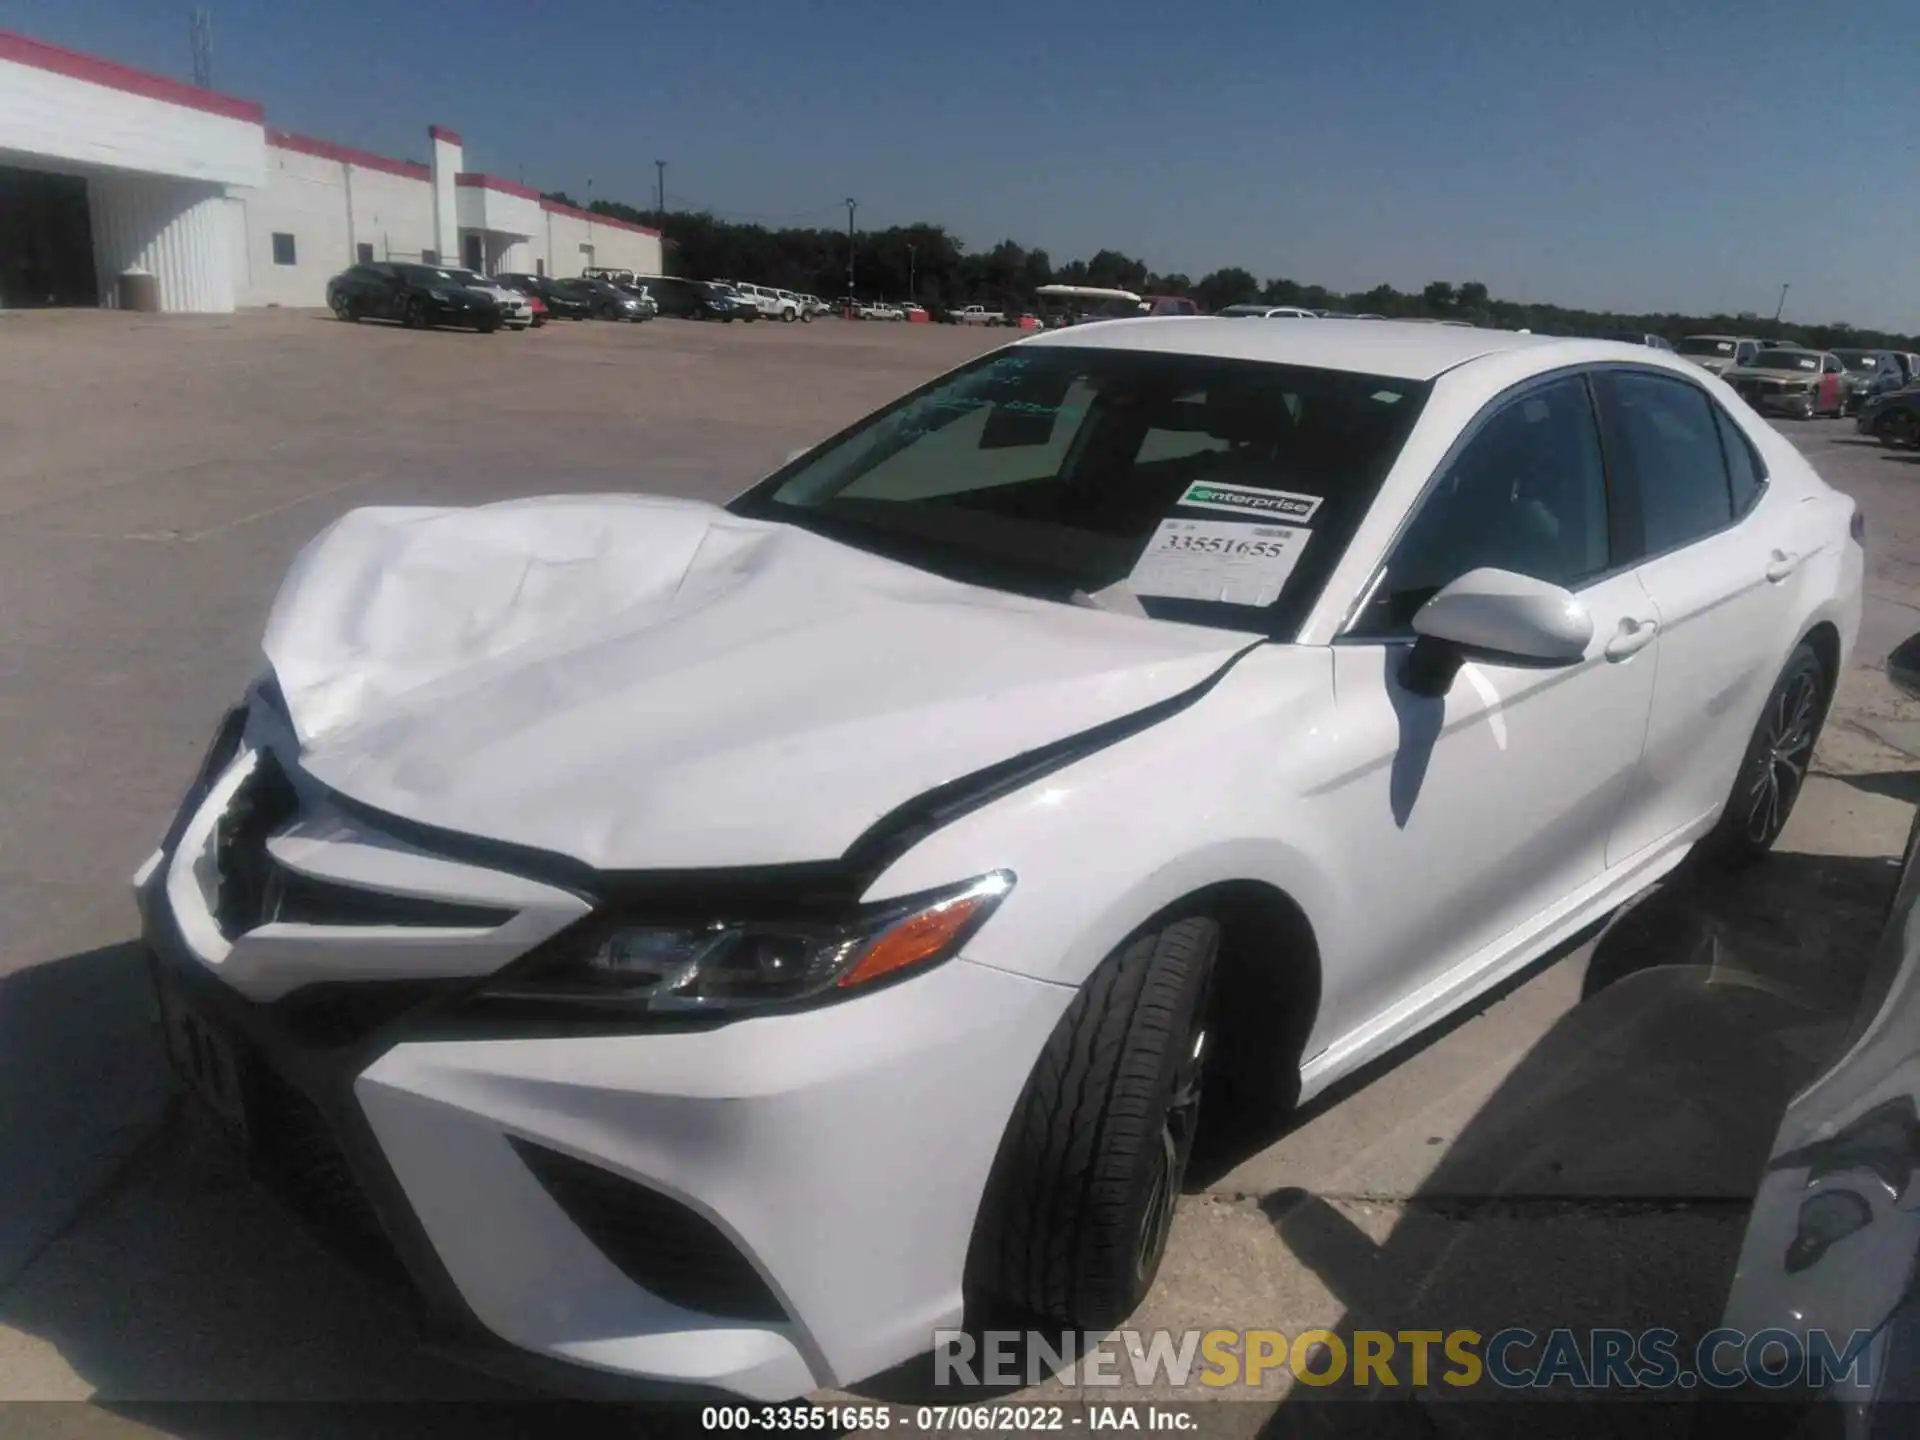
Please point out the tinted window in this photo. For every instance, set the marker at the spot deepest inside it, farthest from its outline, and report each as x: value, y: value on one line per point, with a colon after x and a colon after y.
x: 1526, y: 493
x: 1666, y: 434
x: 1743, y: 465
x: 1223, y: 491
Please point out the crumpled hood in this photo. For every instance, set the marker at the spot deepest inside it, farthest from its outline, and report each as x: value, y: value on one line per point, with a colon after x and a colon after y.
x: 641, y: 683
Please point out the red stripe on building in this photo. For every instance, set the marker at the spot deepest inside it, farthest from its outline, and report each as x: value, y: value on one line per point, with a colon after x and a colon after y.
x: 346, y: 155
x: 75, y: 66
x: 598, y: 219
x: 474, y: 180
x: 440, y: 132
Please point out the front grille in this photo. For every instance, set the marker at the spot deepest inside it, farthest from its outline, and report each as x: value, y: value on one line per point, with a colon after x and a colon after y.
x: 295, y: 1154
x: 658, y: 1243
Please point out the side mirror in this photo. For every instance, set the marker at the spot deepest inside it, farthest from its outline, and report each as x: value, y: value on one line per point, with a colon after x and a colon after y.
x: 1499, y: 615
x: 1903, y: 666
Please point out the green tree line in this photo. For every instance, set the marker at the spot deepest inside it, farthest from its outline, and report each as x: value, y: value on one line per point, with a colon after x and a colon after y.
x: 925, y: 263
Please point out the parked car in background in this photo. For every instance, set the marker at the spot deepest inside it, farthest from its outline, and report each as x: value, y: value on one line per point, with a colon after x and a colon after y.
x: 649, y: 307
x: 564, y: 299
x: 1267, y: 312
x: 768, y: 301
x: 417, y: 296
x: 610, y: 302
x: 1629, y: 337
x: 1802, y: 383
x: 1909, y: 366
x: 1170, y: 305
x: 1718, y: 353
x: 978, y: 315
x: 1892, y: 418
x: 1870, y: 373
x: 793, y: 306
x: 745, y: 307
x: 688, y: 299
x: 515, y: 312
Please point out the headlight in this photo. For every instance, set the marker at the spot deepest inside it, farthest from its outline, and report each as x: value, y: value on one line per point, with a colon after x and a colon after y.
x: 730, y: 966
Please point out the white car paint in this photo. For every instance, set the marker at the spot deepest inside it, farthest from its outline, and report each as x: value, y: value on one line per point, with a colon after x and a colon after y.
x: 773, y: 304
x: 601, y: 686
x: 515, y: 312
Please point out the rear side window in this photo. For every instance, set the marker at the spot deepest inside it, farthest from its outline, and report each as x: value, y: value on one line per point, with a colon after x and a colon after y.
x: 1745, y: 477
x: 1527, y: 493
x: 1665, y: 433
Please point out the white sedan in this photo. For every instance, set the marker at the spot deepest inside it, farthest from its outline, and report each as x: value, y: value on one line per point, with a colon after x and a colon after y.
x: 708, y: 944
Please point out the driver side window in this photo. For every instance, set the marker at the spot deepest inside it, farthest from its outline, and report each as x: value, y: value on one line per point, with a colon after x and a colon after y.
x: 1526, y: 493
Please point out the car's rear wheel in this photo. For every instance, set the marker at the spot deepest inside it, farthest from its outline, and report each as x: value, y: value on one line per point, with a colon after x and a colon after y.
x: 1081, y: 1199
x: 1774, y: 769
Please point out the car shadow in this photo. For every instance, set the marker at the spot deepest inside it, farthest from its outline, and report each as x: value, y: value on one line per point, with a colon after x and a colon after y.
x: 1606, y: 1181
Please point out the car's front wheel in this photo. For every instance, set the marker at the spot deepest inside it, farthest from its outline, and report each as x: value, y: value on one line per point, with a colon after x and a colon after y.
x: 1774, y: 769
x: 1898, y: 429
x: 414, y: 317
x: 1080, y: 1202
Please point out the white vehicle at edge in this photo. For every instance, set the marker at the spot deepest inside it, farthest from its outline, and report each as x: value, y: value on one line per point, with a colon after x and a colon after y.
x: 711, y: 943
x: 773, y: 304
x: 515, y: 312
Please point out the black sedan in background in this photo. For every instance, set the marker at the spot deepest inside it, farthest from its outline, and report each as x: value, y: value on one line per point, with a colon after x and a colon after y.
x: 417, y: 296
x: 690, y: 299
x: 563, y: 298
x: 608, y: 301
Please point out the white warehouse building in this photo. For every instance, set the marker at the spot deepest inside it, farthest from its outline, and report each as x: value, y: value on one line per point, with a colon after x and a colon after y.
x: 106, y: 170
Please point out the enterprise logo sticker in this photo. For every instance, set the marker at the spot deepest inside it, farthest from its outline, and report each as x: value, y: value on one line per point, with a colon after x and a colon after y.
x: 1246, y: 500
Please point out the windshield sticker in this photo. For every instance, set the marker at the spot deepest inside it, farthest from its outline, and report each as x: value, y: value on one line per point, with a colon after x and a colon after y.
x: 1246, y: 500
x: 1226, y: 561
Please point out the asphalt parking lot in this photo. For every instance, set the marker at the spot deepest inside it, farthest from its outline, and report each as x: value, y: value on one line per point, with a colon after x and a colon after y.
x: 1578, y: 1152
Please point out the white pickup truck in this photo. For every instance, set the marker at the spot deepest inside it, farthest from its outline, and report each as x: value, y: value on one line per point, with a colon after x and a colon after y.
x: 979, y: 315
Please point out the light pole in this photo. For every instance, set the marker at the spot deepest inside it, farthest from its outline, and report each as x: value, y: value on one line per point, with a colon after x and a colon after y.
x: 1779, y: 309
x: 852, y: 205
x: 660, y: 190
x: 911, y: 250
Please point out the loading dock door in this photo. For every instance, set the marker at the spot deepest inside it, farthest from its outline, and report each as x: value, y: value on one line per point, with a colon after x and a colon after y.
x: 46, y: 240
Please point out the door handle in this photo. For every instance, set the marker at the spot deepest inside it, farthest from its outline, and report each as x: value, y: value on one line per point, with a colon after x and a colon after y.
x: 1780, y: 565
x: 1632, y: 637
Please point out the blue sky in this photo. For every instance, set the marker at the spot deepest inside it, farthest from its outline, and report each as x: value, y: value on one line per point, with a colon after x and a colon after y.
x: 1690, y: 156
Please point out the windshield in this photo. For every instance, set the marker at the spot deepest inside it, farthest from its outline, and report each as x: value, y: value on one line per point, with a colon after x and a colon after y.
x: 1786, y: 360
x: 1255, y: 310
x: 1222, y: 491
x: 1705, y: 345
x: 1867, y: 360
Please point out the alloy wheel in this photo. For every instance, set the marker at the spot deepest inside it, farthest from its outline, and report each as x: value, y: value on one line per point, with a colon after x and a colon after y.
x: 1785, y: 750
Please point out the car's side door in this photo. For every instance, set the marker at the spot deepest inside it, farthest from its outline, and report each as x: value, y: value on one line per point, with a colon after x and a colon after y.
x: 1721, y: 559
x: 1472, y: 815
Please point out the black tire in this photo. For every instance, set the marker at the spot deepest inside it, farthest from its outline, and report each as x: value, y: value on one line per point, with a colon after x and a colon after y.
x: 415, y: 316
x: 1774, y: 769
x: 1077, y: 1209
x: 1898, y: 429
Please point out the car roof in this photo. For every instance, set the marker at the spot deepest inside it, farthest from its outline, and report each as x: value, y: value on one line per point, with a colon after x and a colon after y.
x: 1401, y: 349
